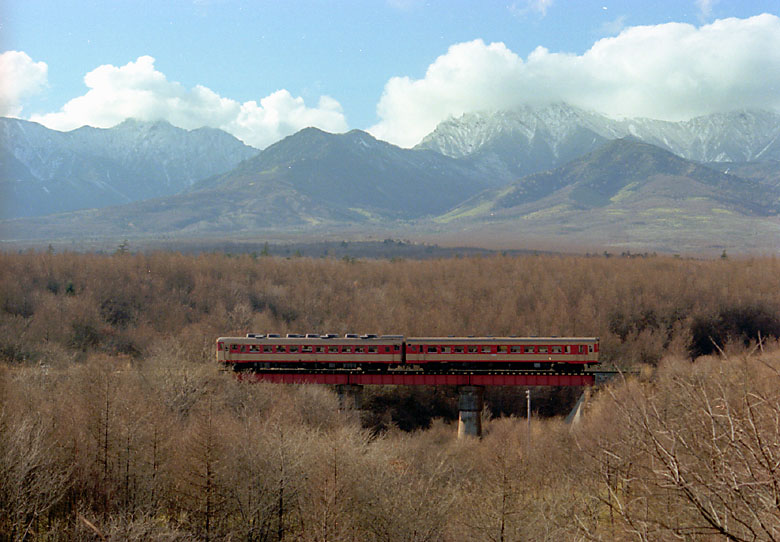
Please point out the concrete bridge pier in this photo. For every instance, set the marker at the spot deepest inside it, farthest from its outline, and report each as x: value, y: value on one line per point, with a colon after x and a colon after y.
x: 470, y: 402
x: 575, y: 416
x: 350, y: 396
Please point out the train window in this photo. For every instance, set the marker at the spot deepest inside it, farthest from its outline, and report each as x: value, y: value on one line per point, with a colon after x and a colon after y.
x: 372, y: 349
x: 543, y: 349
x: 293, y: 349
x: 458, y: 349
x: 306, y: 348
x: 473, y: 349
x: 486, y: 349
x: 556, y: 349
x: 335, y: 349
x: 319, y: 349
x: 502, y: 349
x: 396, y: 348
x: 528, y: 349
x: 411, y: 348
x: 431, y: 349
x: 590, y: 348
x: 267, y: 349
x: 567, y: 349
x: 233, y: 348
x: 516, y: 349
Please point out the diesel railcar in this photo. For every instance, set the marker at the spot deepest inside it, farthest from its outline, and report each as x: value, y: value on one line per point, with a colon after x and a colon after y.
x: 382, y: 353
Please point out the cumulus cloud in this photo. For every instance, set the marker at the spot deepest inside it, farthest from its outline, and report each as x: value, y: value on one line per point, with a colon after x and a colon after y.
x: 19, y: 77
x: 138, y: 90
x: 671, y: 71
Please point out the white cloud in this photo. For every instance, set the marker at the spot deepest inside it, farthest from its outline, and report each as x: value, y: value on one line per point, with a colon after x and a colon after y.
x: 613, y: 27
x: 19, y: 77
x: 138, y: 90
x: 705, y: 7
x: 671, y: 71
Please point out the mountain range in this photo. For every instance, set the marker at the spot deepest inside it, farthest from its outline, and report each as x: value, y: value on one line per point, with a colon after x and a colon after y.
x: 45, y: 171
x: 531, y: 139
x: 553, y: 172
x: 630, y: 194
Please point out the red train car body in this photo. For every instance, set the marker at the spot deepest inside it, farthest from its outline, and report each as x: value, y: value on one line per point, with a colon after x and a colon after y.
x: 376, y: 354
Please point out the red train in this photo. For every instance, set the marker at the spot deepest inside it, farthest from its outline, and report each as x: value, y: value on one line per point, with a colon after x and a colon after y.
x: 378, y: 354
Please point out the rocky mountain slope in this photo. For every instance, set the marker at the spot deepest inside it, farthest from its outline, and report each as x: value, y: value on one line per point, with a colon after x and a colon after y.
x: 616, y: 172
x: 311, y: 179
x: 765, y: 172
x: 357, y: 173
x: 43, y: 171
x: 631, y: 191
x: 537, y: 138
x: 613, y: 190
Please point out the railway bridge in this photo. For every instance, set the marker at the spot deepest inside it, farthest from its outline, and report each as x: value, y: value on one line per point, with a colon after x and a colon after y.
x: 471, y: 385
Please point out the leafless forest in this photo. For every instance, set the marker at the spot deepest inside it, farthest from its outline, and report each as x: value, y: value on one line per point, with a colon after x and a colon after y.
x: 116, y: 425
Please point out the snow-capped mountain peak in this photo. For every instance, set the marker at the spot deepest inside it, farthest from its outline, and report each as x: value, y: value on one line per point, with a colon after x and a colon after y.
x: 534, y: 138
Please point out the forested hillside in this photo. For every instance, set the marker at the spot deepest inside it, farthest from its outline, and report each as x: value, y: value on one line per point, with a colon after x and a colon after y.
x: 116, y: 424
x: 58, y: 308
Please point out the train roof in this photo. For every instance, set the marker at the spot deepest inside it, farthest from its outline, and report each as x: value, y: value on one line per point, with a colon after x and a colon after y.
x: 314, y: 340
x: 400, y: 338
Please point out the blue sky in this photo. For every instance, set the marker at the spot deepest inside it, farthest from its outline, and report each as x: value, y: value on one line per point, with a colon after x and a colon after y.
x: 262, y: 70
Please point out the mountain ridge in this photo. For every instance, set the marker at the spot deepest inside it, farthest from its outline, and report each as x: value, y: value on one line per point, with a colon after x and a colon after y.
x: 356, y: 171
x: 316, y: 183
x: 633, y: 193
x: 530, y: 139
x: 46, y: 171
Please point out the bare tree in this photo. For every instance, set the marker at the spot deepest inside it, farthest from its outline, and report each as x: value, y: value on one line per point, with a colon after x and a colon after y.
x: 697, y: 454
x: 408, y: 496
x: 332, y: 504
x: 32, y: 480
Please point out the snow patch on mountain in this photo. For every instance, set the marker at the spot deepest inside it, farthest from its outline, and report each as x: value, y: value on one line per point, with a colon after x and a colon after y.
x: 561, y: 130
x: 44, y: 171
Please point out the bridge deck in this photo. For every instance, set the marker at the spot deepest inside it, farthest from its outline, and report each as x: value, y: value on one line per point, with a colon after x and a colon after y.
x: 418, y: 379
